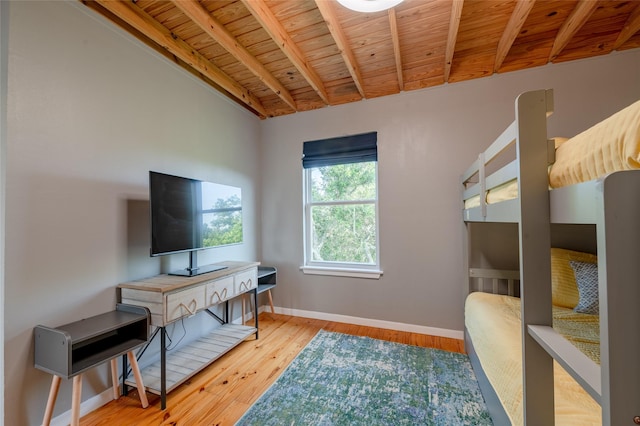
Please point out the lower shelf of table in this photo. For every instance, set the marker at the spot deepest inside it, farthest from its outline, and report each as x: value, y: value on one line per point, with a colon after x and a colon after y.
x: 185, y: 361
x: 264, y: 287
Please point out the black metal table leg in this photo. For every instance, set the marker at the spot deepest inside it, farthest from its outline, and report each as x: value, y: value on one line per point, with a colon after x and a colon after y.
x: 255, y: 308
x: 125, y: 389
x: 163, y: 369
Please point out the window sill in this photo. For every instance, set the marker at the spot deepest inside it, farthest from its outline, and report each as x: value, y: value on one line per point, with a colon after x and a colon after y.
x: 342, y: 272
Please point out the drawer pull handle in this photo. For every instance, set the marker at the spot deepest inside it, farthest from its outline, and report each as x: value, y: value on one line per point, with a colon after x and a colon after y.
x: 195, y: 306
x: 246, y: 285
x: 220, y: 296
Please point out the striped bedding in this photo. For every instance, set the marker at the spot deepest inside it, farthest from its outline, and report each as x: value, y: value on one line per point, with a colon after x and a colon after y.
x: 493, y: 324
x: 609, y: 146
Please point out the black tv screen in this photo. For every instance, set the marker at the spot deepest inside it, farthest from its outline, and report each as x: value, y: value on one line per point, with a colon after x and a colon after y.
x: 189, y: 214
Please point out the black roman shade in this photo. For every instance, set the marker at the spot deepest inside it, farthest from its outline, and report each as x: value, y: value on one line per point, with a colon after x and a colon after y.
x: 342, y: 150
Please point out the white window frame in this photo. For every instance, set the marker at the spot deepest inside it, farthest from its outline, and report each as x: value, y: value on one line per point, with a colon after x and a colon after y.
x: 343, y: 269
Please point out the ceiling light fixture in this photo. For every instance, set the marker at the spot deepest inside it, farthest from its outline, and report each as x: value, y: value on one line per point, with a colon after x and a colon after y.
x: 369, y: 6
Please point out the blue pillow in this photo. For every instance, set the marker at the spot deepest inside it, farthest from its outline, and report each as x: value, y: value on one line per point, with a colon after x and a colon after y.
x: 587, y: 280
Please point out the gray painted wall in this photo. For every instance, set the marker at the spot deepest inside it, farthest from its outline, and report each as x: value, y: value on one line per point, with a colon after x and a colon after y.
x: 426, y: 139
x: 90, y: 113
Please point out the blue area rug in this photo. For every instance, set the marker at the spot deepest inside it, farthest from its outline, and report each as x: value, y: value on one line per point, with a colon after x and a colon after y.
x: 340, y: 379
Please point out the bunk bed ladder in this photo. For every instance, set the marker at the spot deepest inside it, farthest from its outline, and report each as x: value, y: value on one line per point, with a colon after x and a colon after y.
x: 534, y: 230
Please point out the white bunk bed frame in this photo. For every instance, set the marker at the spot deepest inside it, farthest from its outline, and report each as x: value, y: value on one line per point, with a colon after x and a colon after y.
x: 612, y: 203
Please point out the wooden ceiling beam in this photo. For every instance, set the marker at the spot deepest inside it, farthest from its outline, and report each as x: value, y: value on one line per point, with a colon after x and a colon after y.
x: 516, y: 21
x: 261, y: 12
x: 144, y: 23
x: 393, y: 24
x: 580, y: 15
x: 631, y: 27
x: 454, y: 24
x: 329, y: 15
x: 194, y: 11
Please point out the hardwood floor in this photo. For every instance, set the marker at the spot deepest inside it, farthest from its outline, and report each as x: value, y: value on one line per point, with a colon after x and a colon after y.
x: 222, y: 392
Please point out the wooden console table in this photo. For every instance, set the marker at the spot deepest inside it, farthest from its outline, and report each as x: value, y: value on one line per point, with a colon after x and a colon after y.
x: 71, y: 349
x: 170, y: 298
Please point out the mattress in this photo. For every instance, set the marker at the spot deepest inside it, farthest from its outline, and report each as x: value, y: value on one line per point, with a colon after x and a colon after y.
x: 493, y: 324
x: 609, y: 146
x: 504, y: 192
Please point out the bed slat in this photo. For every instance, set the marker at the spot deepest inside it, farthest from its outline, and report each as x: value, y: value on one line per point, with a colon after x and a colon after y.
x: 505, y: 274
x: 505, y: 212
x: 496, y: 276
x: 505, y: 174
x: 470, y: 172
x: 471, y: 192
x: 503, y: 141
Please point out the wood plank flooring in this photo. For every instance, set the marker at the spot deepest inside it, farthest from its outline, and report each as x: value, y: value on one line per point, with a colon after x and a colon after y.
x: 221, y: 393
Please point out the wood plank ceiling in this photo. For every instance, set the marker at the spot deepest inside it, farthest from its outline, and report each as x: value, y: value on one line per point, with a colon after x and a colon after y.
x: 277, y: 57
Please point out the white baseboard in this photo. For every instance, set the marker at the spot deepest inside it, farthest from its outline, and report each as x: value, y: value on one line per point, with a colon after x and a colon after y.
x: 389, y: 325
x: 86, y: 407
x: 105, y: 397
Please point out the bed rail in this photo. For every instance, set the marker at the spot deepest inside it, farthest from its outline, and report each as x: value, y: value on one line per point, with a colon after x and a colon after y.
x: 498, y: 278
x: 476, y: 182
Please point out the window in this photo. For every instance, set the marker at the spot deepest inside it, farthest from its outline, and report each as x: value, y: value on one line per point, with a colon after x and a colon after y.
x: 341, y: 206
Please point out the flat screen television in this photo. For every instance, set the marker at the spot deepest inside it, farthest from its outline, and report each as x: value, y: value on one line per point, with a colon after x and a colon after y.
x: 188, y: 215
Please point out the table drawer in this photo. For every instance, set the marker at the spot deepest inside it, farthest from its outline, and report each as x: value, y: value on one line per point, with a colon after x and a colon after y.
x: 246, y: 280
x: 184, y: 303
x: 220, y: 290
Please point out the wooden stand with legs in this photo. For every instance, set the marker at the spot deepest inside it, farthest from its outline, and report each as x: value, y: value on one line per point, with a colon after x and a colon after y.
x: 76, y: 396
x: 70, y: 350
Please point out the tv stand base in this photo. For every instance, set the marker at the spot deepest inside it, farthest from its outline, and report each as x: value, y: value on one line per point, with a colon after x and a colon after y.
x: 204, y: 269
